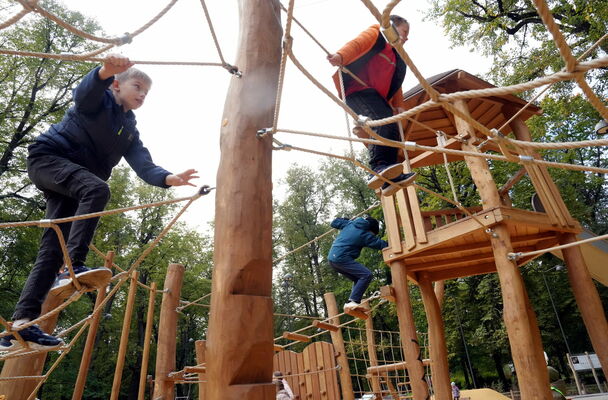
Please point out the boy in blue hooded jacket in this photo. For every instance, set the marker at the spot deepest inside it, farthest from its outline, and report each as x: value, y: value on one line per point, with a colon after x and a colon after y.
x: 354, y: 235
x: 70, y: 164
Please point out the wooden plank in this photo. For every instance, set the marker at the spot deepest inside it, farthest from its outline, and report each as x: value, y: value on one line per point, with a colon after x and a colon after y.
x: 453, y: 273
x: 296, y: 336
x: 387, y: 292
x: 475, y: 247
x: 329, y: 366
x: 310, y: 355
x: 406, y: 219
x: 531, y: 218
x: 452, y: 262
x: 354, y: 312
x: 416, y: 215
x: 545, y: 197
x: 390, y: 217
x: 325, y: 325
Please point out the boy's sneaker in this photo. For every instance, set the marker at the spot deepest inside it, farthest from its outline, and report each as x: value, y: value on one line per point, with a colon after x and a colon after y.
x: 388, y: 172
x: 351, y: 305
x: 87, y: 277
x: 35, y: 338
x: 400, y: 181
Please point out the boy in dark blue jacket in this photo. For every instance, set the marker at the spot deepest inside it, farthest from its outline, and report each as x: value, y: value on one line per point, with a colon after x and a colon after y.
x: 70, y: 163
x: 354, y: 235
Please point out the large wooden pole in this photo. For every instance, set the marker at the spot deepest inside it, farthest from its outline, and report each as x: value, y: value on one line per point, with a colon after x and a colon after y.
x: 524, y: 337
x: 124, y: 337
x: 167, y: 333
x: 407, y: 330
x: 28, y: 365
x: 585, y: 292
x: 338, y: 341
x: 438, y: 348
x: 240, y: 340
x: 588, y: 299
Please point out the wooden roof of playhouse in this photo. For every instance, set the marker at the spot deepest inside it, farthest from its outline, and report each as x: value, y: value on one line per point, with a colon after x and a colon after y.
x: 448, y: 243
x: 487, y: 110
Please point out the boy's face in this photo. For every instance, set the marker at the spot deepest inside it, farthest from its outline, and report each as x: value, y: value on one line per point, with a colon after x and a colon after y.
x: 404, y: 31
x: 130, y: 93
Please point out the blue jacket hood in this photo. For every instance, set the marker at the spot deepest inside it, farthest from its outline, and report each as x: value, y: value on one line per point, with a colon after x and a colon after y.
x: 353, y: 237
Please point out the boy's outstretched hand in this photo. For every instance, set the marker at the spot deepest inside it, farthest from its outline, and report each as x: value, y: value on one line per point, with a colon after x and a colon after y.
x: 114, y: 64
x: 182, y: 179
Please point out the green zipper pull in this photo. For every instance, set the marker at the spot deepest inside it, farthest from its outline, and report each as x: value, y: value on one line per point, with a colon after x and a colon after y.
x: 120, y: 131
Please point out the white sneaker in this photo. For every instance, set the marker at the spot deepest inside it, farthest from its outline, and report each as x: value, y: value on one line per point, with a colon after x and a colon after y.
x: 351, y: 305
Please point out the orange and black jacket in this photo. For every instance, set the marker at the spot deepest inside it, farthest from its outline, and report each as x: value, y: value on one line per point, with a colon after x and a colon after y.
x: 357, y: 53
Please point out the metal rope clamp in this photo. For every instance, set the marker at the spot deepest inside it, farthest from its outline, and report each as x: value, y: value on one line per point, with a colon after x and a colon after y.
x: 205, y: 189
x: 263, y: 132
x: 391, y: 35
x: 125, y: 39
x: 234, y: 70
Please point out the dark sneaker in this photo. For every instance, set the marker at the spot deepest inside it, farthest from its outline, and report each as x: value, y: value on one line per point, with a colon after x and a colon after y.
x: 388, y: 172
x: 88, y: 277
x: 35, y: 338
x: 400, y: 182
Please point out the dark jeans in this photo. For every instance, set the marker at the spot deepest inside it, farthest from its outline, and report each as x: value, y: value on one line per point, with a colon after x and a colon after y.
x: 369, y: 103
x: 357, y: 273
x: 69, y: 189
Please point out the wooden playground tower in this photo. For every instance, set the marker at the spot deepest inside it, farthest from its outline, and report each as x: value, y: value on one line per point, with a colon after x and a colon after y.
x: 425, y: 247
x: 432, y: 246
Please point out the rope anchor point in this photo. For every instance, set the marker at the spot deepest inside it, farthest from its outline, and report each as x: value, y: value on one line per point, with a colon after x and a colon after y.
x: 234, y: 70
x: 205, y: 190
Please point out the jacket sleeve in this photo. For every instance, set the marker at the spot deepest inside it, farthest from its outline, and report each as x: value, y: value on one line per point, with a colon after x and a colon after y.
x: 89, y: 94
x: 374, y: 241
x: 140, y: 160
x: 339, y: 223
x: 359, y: 45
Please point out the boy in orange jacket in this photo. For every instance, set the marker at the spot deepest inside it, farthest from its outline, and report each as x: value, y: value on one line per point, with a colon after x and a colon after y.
x: 376, y: 94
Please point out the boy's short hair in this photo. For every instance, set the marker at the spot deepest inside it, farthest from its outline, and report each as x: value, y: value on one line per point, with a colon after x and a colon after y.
x: 133, y: 73
x: 397, y: 20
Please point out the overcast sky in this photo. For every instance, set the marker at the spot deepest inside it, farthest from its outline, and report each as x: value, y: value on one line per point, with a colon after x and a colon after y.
x: 180, y: 120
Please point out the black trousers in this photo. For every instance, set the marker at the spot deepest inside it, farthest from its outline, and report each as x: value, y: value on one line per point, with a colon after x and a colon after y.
x: 69, y: 189
x: 369, y: 103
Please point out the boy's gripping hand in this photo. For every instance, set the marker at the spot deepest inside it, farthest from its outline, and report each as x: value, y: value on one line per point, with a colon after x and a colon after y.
x: 114, y: 64
x: 182, y: 179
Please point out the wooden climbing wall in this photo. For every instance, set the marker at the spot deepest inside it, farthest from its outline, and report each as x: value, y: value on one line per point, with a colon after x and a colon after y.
x: 311, y: 374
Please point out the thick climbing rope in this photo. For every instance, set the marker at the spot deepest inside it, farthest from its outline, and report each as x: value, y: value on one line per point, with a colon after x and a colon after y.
x: 27, y: 5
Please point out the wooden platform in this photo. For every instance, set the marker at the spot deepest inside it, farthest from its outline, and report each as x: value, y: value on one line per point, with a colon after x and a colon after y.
x: 462, y: 248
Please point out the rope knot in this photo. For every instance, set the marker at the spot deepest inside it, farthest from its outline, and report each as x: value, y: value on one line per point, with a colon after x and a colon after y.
x: 125, y: 39
x: 362, y: 120
x: 234, y: 70
x: 391, y: 35
x: 205, y: 190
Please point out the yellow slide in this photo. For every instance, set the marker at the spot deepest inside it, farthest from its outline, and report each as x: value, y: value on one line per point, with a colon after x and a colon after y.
x: 482, y: 394
x: 595, y: 255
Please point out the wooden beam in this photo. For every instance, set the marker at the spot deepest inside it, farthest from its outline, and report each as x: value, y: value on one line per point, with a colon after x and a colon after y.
x: 338, y: 341
x: 325, y: 325
x: 437, y: 345
x: 167, y: 332
x: 124, y: 336
x: 407, y: 330
x: 239, y: 361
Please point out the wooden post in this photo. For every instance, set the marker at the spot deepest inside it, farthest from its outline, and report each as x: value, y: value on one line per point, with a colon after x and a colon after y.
x: 407, y: 330
x: 373, y: 357
x: 240, y: 335
x: 199, y: 347
x: 338, y: 341
x: 528, y: 360
x: 143, y: 374
x: 437, y: 346
x: 91, y: 334
x: 124, y: 336
x: 587, y: 299
x: 439, y: 289
x: 28, y: 365
x: 167, y: 333
x: 87, y: 353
